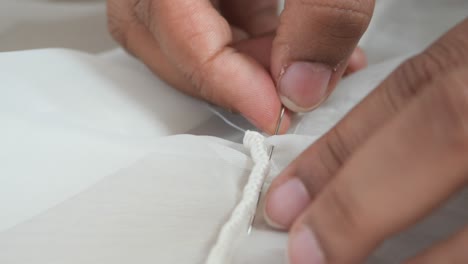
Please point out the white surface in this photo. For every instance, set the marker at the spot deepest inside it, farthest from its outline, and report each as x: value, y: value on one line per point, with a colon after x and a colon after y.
x: 75, y: 120
x: 88, y: 173
x: 73, y: 24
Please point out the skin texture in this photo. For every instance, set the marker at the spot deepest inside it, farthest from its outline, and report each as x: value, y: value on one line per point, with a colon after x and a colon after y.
x: 240, y: 54
x: 404, y: 147
x: 400, y: 154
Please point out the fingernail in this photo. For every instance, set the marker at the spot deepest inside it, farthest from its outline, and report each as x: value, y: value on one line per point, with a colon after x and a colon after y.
x: 286, y: 203
x: 304, y: 85
x: 304, y: 248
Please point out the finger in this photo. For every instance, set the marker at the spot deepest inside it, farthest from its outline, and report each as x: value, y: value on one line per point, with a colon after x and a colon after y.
x: 321, y: 161
x: 258, y: 48
x: 406, y: 170
x: 127, y: 29
x: 357, y: 62
x: 195, y: 38
x: 256, y: 17
x: 451, y: 250
x: 314, y: 41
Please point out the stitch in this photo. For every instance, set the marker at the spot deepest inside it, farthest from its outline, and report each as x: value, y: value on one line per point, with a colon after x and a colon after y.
x: 239, y: 220
x: 225, y: 119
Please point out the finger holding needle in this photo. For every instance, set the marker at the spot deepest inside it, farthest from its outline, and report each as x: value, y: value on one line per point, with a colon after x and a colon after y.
x: 278, y: 126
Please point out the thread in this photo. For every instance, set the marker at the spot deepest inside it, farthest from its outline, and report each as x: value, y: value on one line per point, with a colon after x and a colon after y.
x: 238, y: 222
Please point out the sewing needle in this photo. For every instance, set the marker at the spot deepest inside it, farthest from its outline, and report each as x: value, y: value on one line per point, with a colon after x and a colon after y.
x: 278, y: 127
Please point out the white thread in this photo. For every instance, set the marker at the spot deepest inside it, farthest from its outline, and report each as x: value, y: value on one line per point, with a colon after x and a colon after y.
x: 239, y: 220
x: 225, y: 119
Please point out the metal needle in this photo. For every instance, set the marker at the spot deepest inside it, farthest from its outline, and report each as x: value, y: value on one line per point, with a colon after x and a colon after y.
x: 278, y: 127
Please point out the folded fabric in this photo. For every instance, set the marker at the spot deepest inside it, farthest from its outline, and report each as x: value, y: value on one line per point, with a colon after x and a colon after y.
x: 79, y: 187
x: 95, y: 166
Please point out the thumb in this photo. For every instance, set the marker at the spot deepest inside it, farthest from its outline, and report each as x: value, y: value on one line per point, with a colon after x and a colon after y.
x: 314, y: 42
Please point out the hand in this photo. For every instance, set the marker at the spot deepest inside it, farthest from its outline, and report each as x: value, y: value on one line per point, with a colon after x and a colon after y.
x: 396, y: 157
x: 221, y: 50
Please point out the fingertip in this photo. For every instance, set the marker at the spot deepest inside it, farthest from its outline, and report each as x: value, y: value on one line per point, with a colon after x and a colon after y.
x: 268, y: 123
x: 285, y: 202
x: 357, y: 61
x: 304, y: 247
x: 359, y: 57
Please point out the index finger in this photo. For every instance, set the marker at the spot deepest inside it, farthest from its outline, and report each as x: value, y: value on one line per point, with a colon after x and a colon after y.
x: 195, y: 39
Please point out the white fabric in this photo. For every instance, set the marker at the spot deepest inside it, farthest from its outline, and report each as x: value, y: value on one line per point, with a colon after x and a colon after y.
x: 93, y: 166
x: 240, y: 220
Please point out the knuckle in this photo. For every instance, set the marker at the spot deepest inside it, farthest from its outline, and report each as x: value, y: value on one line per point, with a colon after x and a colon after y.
x: 337, y: 150
x: 114, y: 22
x: 444, y: 56
x: 342, y: 19
x: 146, y: 12
x: 406, y: 81
x: 143, y: 9
x: 198, y: 75
x: 120, y: 16
x: 440, y: 59
x: 342, y: 211
x: 198, y: 80
x: 205, y: 78
x: 341, y: 224
x: 450, y: 50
